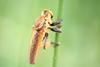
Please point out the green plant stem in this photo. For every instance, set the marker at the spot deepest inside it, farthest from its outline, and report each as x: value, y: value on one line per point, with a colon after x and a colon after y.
x: 60, y: 6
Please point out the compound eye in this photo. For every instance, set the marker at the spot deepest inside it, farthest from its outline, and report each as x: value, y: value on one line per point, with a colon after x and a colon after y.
x: 51, y: 16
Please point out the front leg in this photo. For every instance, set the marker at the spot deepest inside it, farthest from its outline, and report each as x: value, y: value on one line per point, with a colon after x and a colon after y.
x: 56, y: 23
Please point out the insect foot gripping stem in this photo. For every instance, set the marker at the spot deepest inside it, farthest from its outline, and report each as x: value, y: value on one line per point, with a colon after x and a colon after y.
x: 56, y: 26
x: 55, y: 44
x: 55, y: 29
x: 56, y: 22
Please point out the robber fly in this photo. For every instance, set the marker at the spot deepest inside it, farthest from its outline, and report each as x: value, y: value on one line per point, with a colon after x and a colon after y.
x: 40, y: 33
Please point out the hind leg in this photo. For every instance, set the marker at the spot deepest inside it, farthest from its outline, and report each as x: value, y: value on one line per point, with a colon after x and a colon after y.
x: 45, y: 39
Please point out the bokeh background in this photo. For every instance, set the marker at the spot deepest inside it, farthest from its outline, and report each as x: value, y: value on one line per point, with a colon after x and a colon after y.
x: 80, y: 40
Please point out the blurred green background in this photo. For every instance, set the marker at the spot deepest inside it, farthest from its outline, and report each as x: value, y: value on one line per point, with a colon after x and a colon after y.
x: 80, y: 40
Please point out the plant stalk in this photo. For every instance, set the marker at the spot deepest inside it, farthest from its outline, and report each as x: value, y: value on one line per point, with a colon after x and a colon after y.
x: 60, y: 7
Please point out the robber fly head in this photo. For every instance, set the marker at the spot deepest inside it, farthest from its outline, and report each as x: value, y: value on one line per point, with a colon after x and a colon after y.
x: 47, y: 13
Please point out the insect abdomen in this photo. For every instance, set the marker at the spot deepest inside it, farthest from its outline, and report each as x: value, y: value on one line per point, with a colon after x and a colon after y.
x: 36, y: 44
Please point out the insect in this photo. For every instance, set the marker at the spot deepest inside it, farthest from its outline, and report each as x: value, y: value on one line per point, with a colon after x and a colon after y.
x: 40, y: 31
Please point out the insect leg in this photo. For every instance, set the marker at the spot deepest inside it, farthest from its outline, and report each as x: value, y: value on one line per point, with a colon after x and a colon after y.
x: 45, y: 40
x: 56, y: 23
x: 56, y: 26
x: 55, y: 29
